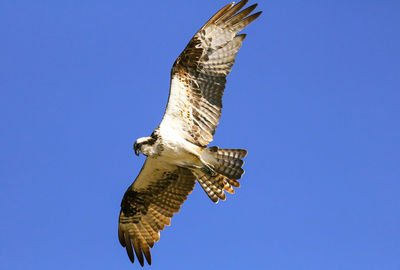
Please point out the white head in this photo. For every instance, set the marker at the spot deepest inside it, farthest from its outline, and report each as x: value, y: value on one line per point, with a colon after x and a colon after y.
x: 144, y: 145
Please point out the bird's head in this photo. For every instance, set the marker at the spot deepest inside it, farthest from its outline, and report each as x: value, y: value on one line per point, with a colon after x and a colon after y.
x: 143, y: 145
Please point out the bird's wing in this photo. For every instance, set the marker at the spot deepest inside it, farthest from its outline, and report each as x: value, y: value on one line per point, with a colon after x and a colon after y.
x: 148, y: 205
x: 198, y: 76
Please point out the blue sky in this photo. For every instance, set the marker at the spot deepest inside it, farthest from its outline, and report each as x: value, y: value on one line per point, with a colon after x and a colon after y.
x: 314, y: 97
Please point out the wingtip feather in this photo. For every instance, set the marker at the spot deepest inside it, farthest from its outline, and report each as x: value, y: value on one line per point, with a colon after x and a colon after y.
x: 256, y: 15
x: 232, y: 11
x: 121, y: 237
x: 129, y: 249
x: 138, y: 251
x: 217, y: 15
x: 242, y: 14
x: 147, y: 254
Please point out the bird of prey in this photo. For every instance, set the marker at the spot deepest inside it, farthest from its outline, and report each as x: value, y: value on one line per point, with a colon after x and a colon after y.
x: 177, y: 151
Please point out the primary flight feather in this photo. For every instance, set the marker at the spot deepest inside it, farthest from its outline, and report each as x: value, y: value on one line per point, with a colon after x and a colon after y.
x: 177, y: 152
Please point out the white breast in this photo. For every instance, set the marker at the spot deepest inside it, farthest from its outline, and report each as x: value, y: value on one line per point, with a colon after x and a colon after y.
x: 179, y: 151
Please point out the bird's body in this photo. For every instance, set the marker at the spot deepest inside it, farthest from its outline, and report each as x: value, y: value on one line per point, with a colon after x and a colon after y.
x: 166, y: 146
x: 177, y: 151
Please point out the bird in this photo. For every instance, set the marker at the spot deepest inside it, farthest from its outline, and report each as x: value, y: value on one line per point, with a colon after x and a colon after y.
x: 177, y: 151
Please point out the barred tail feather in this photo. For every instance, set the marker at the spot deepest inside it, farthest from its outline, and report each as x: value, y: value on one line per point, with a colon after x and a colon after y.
x: 229, y: 162
x: 228, y: 165
x: 213, y: 186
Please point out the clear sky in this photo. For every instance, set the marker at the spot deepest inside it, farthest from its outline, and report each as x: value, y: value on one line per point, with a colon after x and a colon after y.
x: 314, y: 96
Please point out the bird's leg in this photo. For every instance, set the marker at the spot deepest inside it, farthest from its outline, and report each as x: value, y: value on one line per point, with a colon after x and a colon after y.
x: 201, y: 164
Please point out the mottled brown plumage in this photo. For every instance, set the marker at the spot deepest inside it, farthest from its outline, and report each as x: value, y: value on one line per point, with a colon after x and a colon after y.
x: 198, y: 76
x: 177, y: 153
x: 146, y: 210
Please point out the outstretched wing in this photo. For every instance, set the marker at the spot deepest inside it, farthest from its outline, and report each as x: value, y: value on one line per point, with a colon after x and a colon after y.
x: 148, y: 205
x: 198, y: 76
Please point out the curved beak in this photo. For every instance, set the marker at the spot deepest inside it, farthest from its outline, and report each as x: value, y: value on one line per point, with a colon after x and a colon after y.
x: 136, y: 148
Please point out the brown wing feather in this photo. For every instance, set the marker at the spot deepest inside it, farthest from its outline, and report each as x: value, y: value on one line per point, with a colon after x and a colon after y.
x: 148, y: 205
x: 198, y: 76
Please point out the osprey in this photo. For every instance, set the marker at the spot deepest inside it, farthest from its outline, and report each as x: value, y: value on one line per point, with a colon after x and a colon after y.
x: 177, y: 152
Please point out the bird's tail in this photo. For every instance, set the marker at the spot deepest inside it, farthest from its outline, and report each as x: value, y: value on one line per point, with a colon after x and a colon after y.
x: 225, y: 168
